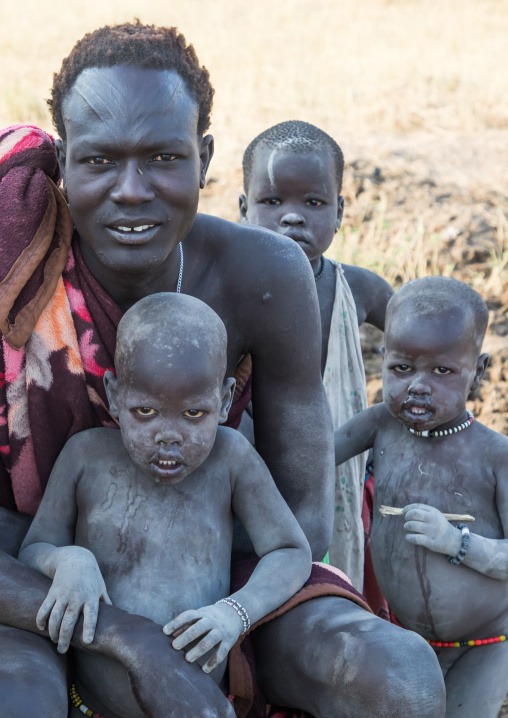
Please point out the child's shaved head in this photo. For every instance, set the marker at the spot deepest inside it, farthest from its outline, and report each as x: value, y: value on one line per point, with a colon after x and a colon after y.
x: 171, y: 325
x: 293, y: 136
x: 437, y: 296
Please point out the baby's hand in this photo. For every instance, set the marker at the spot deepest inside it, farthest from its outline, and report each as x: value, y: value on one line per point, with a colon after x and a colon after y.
x: 77, y: 587
x: 221, y: 624
x: 426, y: 526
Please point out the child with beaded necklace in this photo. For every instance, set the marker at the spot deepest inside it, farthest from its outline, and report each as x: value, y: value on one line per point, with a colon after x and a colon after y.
x: 441, y: 578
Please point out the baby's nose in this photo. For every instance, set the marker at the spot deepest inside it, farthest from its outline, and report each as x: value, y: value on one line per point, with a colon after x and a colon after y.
x: 168, y: 436
x: 419, y: 385
x: 292, y: 219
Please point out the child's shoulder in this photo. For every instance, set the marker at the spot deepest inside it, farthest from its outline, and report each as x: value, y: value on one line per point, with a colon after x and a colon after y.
x: 371, y: 294
x: 492, y: 445
x: 93, y: 440
x: 231, y: 441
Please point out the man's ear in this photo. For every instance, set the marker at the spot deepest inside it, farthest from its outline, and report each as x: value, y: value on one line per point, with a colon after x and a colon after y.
x: 61, y: 154
x: 340, y: 212
x: 228, y: 392
x: 481, y: 365
x: 242, y: 201
x: 111, y: 386
x: 205, y: 155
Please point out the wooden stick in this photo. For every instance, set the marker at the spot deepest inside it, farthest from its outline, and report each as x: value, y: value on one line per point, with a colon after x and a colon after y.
x: 392, y: 511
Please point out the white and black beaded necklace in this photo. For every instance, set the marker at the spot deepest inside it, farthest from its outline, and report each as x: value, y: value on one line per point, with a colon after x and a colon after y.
x: 445, y: 432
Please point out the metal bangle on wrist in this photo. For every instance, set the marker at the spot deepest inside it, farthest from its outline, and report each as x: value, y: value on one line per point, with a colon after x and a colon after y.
x: 240, y: 611
x: 459, y: 558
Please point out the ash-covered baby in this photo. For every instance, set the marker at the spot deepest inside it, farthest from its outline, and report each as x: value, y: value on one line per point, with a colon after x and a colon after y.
x: 445, y: 579
x: 143, y: 517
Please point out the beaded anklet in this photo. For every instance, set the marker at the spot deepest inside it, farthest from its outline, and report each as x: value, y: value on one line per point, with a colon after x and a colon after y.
x: 76, y: 701
x: 461, y: 644
x: 445, y: 432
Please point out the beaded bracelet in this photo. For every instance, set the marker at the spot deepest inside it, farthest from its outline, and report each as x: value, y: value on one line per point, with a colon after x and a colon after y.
x: 459, y: 558
x: 240, y: 611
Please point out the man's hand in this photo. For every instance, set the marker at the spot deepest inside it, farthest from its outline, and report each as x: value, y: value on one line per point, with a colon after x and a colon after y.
x: 426, y: 526
x: 219, y: 624
x: 77, y: 588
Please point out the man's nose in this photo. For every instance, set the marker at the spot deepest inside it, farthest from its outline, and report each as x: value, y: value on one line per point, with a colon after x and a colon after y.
x: 419, y: 385
x: 132, y: 186
x: 292, y: 219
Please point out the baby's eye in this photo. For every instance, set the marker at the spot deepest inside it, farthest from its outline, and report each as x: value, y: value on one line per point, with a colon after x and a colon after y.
x: 98, y: 161
x: 144, y: 411
x: 442, y: 370
x: 272, y: 201
x: 314, y: 202
x: 402, y: 368
x: 164, y: 157
x: 194, y: 413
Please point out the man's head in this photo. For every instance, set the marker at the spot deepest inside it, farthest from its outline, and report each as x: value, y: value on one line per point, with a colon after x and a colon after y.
x: 292, y: 181
x: 431, y: 359
x: 131, y: 104
x: 169, y: 393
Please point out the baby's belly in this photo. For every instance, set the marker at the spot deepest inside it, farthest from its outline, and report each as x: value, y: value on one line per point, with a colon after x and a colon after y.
x: 435, y: 598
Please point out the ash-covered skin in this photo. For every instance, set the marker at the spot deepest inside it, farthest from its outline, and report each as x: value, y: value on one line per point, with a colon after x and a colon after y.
x: 150, y: 508
x: 432, y: 360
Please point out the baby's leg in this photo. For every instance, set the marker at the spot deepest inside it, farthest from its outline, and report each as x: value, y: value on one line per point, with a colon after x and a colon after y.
x: 32, y: 676
x: 477, y: 683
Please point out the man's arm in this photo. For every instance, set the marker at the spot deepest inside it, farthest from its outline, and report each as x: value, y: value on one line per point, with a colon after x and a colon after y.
x: 359, y: 433
x: 292, y: 420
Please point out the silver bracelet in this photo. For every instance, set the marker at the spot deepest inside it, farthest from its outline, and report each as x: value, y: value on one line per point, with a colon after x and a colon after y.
x: 240, y: 611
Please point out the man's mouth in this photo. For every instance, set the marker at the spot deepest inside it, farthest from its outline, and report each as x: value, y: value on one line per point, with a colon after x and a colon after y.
x: 133, y: 231
x: 137, y: 228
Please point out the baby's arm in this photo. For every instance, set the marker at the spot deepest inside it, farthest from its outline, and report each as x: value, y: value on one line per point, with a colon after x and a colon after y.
x: 77, y: 585
x: 284, y: 566
x: 371, y: 294
x: 358, y: 434
x: 426, y: 526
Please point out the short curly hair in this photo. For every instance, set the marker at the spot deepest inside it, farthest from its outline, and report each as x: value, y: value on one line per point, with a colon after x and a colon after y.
x: 293, y: 136
x: 147, y: 46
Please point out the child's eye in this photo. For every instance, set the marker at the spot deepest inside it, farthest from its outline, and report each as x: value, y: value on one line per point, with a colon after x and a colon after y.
x: 272, y: 201
x: 442, y: 370
x: 98, y: 161
x: 164, y: 157
x: 194, y: 413
x: 402, y: 368
x: 314, y: 202
x: 144, y: 411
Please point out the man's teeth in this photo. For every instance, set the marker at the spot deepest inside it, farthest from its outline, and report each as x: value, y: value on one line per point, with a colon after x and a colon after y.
x: 161, y: 462
x: 140, y: 228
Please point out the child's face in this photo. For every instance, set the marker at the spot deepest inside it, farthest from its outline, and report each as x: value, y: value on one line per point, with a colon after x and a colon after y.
x: 429, y: 367
x: 169, y: 412
x: 295, y: 194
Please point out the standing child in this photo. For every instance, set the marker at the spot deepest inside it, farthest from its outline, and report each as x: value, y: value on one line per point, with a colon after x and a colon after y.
x: 444, y: 579
x: 143, y: 517
x: 293, y: 181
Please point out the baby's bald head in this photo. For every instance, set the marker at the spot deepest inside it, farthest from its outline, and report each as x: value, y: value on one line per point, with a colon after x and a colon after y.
x: 444, y: 297
x: 174, y: 329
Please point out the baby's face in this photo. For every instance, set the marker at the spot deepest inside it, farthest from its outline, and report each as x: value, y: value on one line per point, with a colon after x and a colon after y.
x: 429, y: 367
x: 168, y: 411
x: 295, y: 194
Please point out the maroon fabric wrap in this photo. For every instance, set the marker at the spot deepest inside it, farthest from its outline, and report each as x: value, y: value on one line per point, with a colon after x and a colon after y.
x: 371, y: 589
x: 324, y: 580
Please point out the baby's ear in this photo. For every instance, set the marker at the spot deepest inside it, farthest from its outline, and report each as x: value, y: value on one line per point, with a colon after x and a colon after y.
x: 111, y: 386
x: 340, y: 212
x: 242, y: 201
x: 481, y: 365
x: 228, y: 392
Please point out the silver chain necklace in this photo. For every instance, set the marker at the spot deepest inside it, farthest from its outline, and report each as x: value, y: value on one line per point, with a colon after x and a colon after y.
x: 180, y: 271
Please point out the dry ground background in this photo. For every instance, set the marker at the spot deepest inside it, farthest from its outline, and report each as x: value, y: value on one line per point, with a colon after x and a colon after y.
x: 414, y: 91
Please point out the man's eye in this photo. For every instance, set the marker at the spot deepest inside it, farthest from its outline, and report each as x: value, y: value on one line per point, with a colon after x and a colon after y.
x: 194, y: 413
x: 272, y: 201
x: 98, y: 161
x: 402, y: 368
x: 144, y: 411
x: 314, y: 202
x: 442, y: 370
x: 164, y: 157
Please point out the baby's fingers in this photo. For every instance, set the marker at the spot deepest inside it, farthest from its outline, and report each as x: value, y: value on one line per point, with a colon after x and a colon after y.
x: 216, y: 659
x: 69, y: 620
x: 211, y: 640
x: 55, y: 620
x: 90, y: 611
x: 417, y: 527
x: 181, y: 621
x: 191, y: 634
x: 43, y: 612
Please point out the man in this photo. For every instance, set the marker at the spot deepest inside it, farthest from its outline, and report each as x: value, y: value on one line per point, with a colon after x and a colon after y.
x: 131, y: 105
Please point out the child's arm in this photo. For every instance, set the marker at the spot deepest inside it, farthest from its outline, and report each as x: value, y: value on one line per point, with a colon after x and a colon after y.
x: 371, y: 294
x: 77, y: 585
x: 284, y: 566
x: 426, y: 526
x: 358, y: 434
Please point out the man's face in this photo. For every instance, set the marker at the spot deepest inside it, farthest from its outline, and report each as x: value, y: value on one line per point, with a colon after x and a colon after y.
x: 132, y: 164
x: 168, y: 407
x: 295, y: 194
x: 429, y: 367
